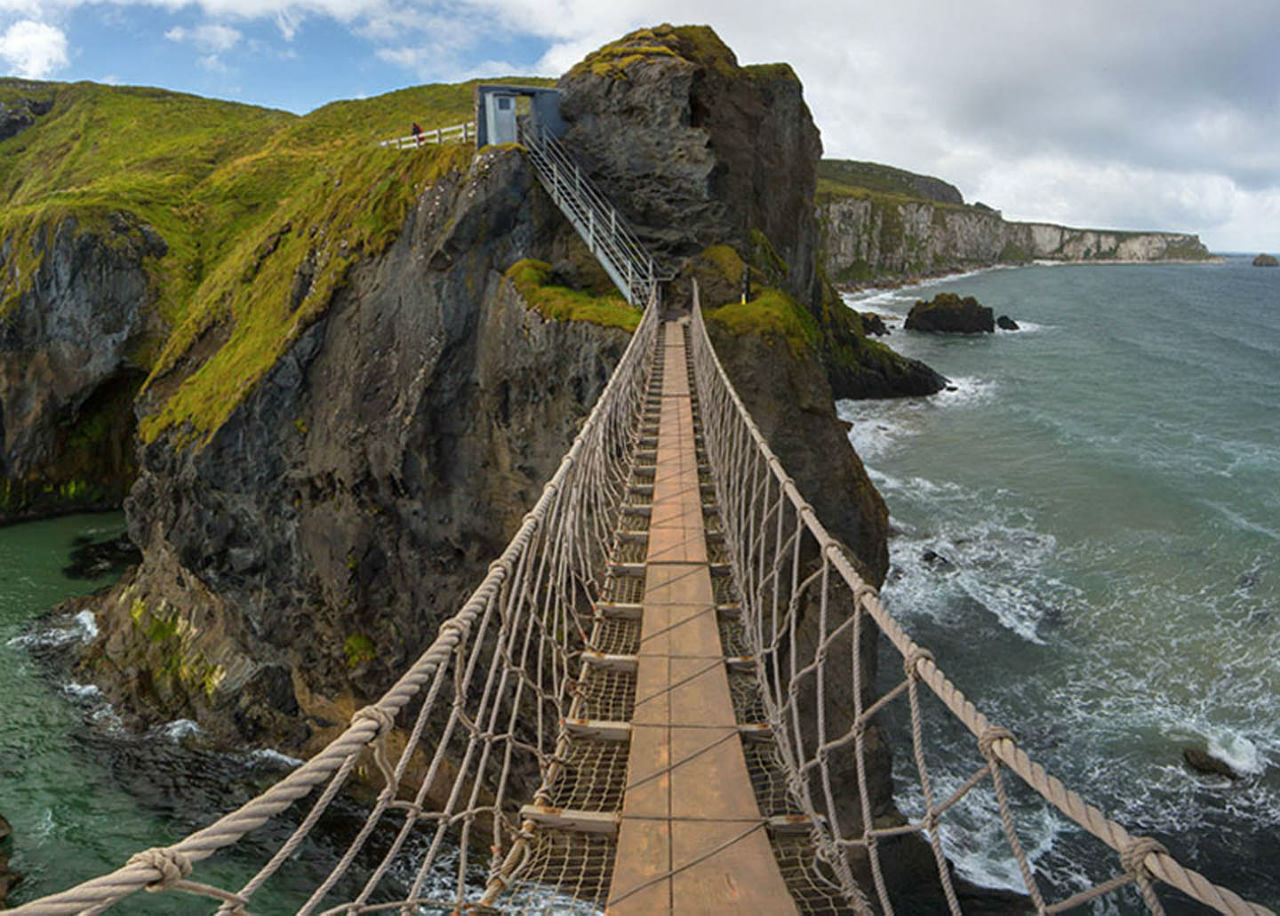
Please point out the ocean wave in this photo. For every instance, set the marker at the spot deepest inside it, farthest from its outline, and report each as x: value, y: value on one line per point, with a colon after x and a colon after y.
x: 880, y: 424
x: 993, y: 564
x: 1240, y: 521
x: 81, y: 628
x: 88, y: 624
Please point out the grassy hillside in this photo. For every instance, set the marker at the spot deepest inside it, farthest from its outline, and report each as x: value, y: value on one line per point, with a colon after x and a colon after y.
x: 845, y: 178
x: 242, y: 196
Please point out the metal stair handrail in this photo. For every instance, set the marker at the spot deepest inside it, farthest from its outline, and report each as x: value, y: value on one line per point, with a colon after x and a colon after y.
x: 606, y: 231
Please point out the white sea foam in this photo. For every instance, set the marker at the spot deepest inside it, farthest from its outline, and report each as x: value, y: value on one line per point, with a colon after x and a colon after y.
x: 1024, y: 327
x: 879, y: 425
x: 1237, y: 751
x: 88, y: 625
x: 179, y: 729
x: 82, y: 691
x: 269, y: 755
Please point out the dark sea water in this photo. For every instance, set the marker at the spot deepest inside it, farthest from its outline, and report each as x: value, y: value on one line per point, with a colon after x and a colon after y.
x: 1106, y: 486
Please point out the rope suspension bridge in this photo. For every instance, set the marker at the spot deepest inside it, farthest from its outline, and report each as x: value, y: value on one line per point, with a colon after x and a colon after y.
x: 651, y: 703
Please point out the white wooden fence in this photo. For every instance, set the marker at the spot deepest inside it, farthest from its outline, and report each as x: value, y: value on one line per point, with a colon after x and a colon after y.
x: 459, y: 133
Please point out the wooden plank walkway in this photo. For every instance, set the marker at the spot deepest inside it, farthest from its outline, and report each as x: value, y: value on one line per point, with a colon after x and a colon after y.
x: 691, y: 837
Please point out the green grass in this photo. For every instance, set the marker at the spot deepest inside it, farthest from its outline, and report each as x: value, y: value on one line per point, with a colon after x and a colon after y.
x: 695, y: 44
x: 533, y: 281
x: 771, y: 314
x: 350, y: 207
x: 242, y: 197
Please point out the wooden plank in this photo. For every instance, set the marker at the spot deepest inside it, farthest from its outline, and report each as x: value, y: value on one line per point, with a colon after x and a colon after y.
x: 599, y: 729
x: 688, y: 791
x: 570, y: 819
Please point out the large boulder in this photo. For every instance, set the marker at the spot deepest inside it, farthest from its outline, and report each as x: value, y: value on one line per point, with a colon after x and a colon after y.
x: 1266, y: 260
x: 950, y: 314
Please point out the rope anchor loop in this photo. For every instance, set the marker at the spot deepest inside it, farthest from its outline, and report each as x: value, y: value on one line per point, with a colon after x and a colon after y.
x: 384, y: 719
x: 174, y: 866
x: 990, y: 735
x: 912, y: 659
x: 1133, y: 858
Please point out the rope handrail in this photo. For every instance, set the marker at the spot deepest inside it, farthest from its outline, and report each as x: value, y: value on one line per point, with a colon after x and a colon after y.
x: 774, y: 593
x: 547, y: 563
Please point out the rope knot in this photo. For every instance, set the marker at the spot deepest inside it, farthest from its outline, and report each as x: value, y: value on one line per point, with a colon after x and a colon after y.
x: 383, y: 718
x: 990, y: 735
x: 914, y: 658
x: 173, y: 865
x: 502, y: 564
x: 864, y: 591
x: 1133, y: 857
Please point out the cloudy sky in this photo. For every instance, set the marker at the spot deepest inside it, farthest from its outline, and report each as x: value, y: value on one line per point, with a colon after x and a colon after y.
x: 1117, y: 113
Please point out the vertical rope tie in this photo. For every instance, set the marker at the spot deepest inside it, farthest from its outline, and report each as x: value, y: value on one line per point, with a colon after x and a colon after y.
x: 1133, y: 858
x: 987, y: 741
x: 913, y: 659
x: 385, y: 721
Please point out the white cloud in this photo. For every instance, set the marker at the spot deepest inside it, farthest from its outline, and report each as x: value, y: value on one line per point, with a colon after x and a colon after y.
x: 33, y: 50
x: 212, y: 38
x: 1061, y: 115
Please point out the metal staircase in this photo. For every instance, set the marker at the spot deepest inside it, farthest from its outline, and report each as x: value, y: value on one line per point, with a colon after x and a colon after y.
x: 614, y: 243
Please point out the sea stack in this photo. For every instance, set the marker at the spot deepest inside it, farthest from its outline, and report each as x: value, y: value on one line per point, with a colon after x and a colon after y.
x: 1266, y: 260
x: 949, y: 313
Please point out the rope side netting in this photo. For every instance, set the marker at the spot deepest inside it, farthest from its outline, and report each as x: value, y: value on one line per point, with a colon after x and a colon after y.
x: 812, y: 625
x: 473, y: 730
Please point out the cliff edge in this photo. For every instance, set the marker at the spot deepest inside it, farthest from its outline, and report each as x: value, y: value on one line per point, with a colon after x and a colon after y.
x: 880, y: 223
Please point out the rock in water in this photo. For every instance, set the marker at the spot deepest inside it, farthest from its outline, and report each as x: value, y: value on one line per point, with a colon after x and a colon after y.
x: 950, y: 314
x: 102, y: 558
x: 874, y: 324
x: 1266, y: 260
x: 937, y: 561
x: 1203, y: 762
x: 1005, y: 323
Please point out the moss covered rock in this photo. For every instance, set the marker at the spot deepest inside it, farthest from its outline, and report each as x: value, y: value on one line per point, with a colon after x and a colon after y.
x: 949, y: 313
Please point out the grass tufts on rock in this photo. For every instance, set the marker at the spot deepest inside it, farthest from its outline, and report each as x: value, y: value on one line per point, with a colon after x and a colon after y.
x: 533, y: 280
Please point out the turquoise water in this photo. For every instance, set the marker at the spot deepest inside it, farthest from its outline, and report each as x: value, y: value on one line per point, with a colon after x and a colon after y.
x: 1105, y: 485
x: 69, y: 822
x: 81, y: 793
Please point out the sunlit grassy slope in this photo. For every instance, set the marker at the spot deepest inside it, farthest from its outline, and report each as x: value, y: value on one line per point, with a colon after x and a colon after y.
x: 242, y: 196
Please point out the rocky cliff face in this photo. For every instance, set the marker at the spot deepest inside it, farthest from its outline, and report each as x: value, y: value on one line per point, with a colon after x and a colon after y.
x: 706, y: 156
x: 872, y: 236
x: 19, y: 114
x: 696, y: 150
x: 295, y: 562
x: 68, y: 371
